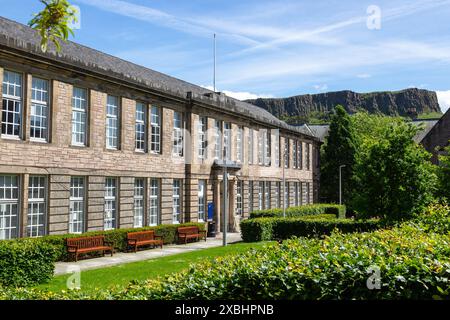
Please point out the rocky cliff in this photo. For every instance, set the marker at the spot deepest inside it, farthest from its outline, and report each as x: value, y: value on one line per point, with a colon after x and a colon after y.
x: 408, y: 102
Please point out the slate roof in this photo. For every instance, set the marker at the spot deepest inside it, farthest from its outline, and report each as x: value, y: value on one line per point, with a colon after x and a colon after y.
x: 14, y: 35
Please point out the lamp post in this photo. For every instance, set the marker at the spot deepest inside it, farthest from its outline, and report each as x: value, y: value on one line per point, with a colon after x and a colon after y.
x: 340, y: 183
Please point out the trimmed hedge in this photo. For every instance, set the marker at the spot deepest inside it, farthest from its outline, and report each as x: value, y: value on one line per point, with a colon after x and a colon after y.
x: 312, y: 209
x: 264, y: 229
x: 117, y: 237
x: 413, y: 264
x: 26, y: 262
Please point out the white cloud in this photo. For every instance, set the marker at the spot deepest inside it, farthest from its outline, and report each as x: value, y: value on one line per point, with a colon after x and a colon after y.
x: 444, y: 99
x: 241, y: 95
x: 321, y: 87
x: 363, y: 75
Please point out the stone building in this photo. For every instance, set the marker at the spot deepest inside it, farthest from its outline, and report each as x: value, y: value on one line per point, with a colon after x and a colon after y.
x: 92, y: 142
x: 438, y: 137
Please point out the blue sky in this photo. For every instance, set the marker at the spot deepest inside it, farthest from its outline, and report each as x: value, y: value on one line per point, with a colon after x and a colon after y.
x: 274, y: 48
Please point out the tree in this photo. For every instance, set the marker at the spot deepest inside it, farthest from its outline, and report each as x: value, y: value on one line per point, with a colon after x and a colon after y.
x: 443, y: 172
x: 393, y: 176
x: 339, y: 149
x: 53, y: 22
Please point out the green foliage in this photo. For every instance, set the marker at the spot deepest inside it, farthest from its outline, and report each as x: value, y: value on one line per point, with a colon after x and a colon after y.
x: 436, y: 218
x: 25, y: 263
x: 313, y: 117
x: 443, y: 172
x: 393, y: 177
x: 413, y: 264
x: 117, y: 237
x: 53, y: 22
x: 311, y: 209
x: 264, y: 229
x: 338, y: 149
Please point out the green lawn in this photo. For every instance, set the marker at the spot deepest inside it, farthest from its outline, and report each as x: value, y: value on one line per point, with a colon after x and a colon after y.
x: 121, y: 275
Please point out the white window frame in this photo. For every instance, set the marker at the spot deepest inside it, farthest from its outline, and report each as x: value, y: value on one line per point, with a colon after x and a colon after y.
x: 239, y: 197
x: 176, y: 201
x: 239, y: 145
x: 294, y: 154
x: 218, y: 140
x: 286, y: 200
x: 300, y: 155
x: 155, y: 123
x: 112, y: 122
x: 250, y: 196
x: 267, y: 147
x: 202, y: 129
x: 277, y: 149
x: 140, y: 129
x: 110, y: 217
x: 202, y: 200
x: 77, y: 205
x: 37, y: 206
x: 260, y: 147
x: 227, y: 140
x: 40, y: 94
x: 154, y: 207
x: 9, y: 198
x: 79, y: 116
x: 12, y: 93
x: 260, y: 195
x: 178, y: 139
x: 267, y: 186
x: 278, y: 194
x: 139, y: 202
x: 308, y: 156
x: 286, y: 153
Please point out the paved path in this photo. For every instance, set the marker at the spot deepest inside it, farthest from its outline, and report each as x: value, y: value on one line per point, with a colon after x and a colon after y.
x: 121, y: 257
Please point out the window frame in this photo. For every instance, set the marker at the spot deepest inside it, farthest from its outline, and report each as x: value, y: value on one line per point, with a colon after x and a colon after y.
x: 78, y: 200
x: 34, y: 230
x: 116, y: 119
x: 177, y: 201
x: 13, y: 229
x: 82, y: 112
x: 201, y: 195
x: 177, y: 135
x: 15, y: 99
x: 109, y: 199
x: 202, y: 130
x: 139, y: 200
x: 43, y: 104
x: 154, y: 198
x: 140, y: 145
x: 155, y: 130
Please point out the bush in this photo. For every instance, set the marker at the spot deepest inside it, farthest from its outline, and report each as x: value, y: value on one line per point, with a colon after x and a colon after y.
x: 436, y: 218
x: 311, y: 209
x: 117, y: 237
x: 26, y: 262
x: 413, y: 264
x: 264, y: 229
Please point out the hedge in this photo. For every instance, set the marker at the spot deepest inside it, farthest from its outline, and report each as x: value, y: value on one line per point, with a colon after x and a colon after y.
x: 117, y: 237
x: 26, y: 262
x: 312, y: 209
x: 264, y: 229
x: 412, y: 264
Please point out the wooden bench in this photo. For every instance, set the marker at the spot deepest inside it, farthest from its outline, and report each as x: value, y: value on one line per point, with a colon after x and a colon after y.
x: 185, y: 233
x: 143, y: 238
x: 77, y: 246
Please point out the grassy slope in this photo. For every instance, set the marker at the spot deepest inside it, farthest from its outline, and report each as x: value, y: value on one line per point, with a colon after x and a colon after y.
x: 121, y: 275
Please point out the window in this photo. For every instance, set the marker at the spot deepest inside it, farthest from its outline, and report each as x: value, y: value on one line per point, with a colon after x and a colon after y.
x: 300, y: 155
x: 260, y: 148
x: 267, y: 186
x: 110, y: 221
x: 267, y: 147
x: 294, y: 154
x: 296, y: 198
x: 141, y: 127
x: 12, y: 104
x: 155, y: 120
x: 9, y: 207
x: 239, y: 145
x: 250, y: 146
x: 277, y: 148
x: 39, y: 109
x: 112, y: 122
x: 260, y: 195
x: 300, y: 192
x: 201, y: 200
x: 286, y: 195
x: 227, y: 140
x: 218, y: 139
x: 79, y: 115
x: 239, y: 204
x: 308, y: 156
x: 153, y: 213
x: 176, y: 200
x: 139, y: 200
x: 250, y: 196
x: 308, y: 190
x: 278, y: 195
x: 202, y: 141
x: 76, y: 212
x: 36, y: 206
x: 177, y: 134
x: 286, y: 153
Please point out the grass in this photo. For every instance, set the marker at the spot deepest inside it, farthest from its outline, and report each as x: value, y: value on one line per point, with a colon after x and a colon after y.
x: 121, y: 275
x: 429, y: 115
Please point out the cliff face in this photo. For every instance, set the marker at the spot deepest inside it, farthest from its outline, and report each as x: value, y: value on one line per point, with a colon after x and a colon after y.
x: 408, y: 102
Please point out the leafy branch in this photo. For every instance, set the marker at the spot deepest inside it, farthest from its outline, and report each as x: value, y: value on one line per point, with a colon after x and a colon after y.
x: 53, y: 22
